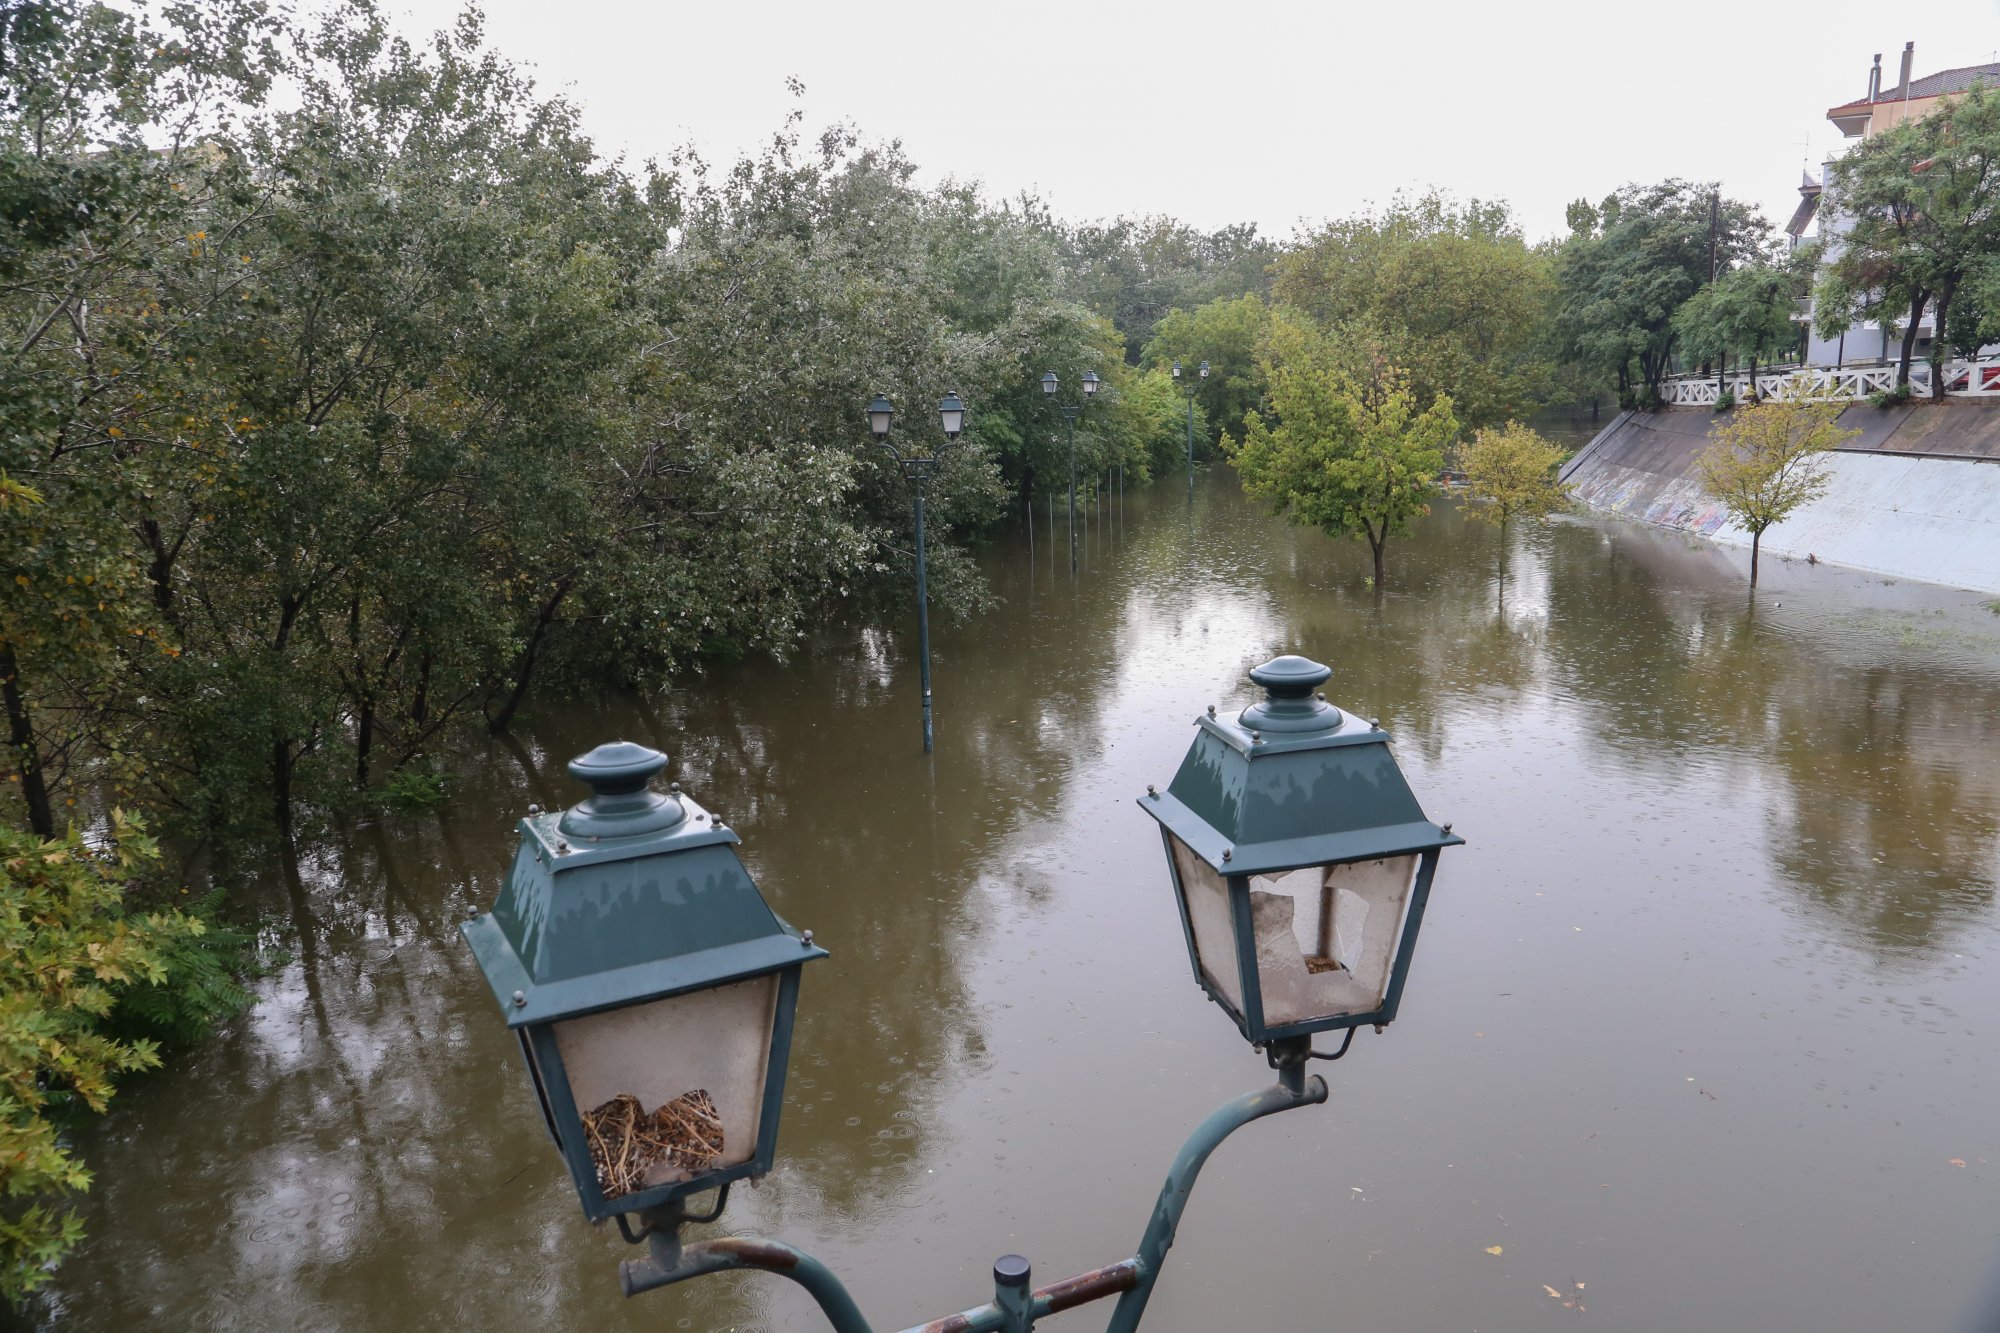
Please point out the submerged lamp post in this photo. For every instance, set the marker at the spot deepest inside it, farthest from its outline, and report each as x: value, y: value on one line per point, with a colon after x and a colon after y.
x: 639, y: 964
x: 1049, y: 386
x: 650, y: 985
x: 951, y: 416
x: 1188, y: 389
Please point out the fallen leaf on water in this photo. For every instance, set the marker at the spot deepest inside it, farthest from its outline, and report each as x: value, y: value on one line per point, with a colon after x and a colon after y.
x: 1493, y: 1249
x: 1552, y: 1291
x: 1958, y: 1161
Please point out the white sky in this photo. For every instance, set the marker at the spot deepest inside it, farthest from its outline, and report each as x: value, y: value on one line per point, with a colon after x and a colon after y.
x: 1249, y: 110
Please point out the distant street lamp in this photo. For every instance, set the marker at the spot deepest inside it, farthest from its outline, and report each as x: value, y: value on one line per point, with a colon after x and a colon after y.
x: 951, y: 416
x: 1188, y: 389
x: 651, y: 983
x: 1049, y: 386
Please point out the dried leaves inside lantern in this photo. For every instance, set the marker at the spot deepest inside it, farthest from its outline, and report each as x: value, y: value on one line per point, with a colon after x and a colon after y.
x: 626, y: 1143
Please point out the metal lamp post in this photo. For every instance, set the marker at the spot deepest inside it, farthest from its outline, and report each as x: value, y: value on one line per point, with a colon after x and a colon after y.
x: 951, y: 415
x: 635, y: 955
x: 1049, y: 386
x: 1188, y: 390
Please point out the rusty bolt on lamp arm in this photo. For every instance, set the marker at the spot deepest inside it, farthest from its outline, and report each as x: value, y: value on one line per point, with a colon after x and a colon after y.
x: 1300, y: 915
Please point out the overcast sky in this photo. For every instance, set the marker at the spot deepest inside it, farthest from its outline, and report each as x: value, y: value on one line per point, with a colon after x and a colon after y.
x: 1245, y: 110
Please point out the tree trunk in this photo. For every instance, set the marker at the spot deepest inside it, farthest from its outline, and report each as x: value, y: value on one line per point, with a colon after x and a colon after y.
x: 505, y: 717
x: 1756, y: 539
x: 1917, y: 304
x: 1753, y: 379
x: 282, y: 763
x: 1376, y: 544
x: 364, y: 739
x: 1943, y: 310
x: 27, y: 759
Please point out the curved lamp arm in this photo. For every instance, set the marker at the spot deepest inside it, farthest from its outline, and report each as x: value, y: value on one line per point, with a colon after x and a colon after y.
x: 1131, y: 1280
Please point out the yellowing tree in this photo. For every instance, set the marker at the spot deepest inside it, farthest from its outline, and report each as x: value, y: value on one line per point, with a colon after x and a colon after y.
x: 1766, y: 461
x: 1513, y: 469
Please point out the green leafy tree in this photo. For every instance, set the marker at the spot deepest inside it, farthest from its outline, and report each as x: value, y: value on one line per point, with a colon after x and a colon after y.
x: 1225, y: 334
x: 1353, y: 457
x: 1511, y: 469
x: 1747, y: 311
x: 1764, y: 462
x: 1920, y: 203
x: 1629, y: 265
x: 1451, y: 293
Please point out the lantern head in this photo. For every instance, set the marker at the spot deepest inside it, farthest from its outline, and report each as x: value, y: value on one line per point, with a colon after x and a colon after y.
x: 1300, y: 859
x: 650, y: 985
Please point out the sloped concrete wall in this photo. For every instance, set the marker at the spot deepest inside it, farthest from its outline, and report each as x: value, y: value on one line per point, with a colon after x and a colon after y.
x: 1916, y: 496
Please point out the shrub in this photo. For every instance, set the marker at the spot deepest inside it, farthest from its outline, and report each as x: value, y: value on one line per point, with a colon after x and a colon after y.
x: 71, y: 956
x: 1726, y: 401
x: 415, y: 789
x: 1895, y: 397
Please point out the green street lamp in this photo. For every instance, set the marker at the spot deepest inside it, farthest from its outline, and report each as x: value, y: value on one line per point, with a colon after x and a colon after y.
x: 650, y: 985
x: 1049, y: 386
x: 1301, y: 861
x: 637, y: 960
x: 1188, y: 390
x: 917, y: 470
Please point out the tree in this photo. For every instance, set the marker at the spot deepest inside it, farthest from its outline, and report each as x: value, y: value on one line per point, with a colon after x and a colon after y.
x: 1921, y: 204
x: 1512, y: 469
x: 1747, y: 310
x: 1764, y: 461
x: 67, y: 947
x: 1451, y: 292
x: 1351, y: 456
x: 1631, y: 263
x: 1223, y: 333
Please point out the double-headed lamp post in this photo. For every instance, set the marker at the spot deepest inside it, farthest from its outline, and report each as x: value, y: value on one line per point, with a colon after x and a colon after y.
x: 1188, y: 390
x: 1049, y: 386
x: 951, y: 416
x: 652, y: 988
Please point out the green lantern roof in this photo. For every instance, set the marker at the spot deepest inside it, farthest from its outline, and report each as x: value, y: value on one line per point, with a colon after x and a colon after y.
x: 1292, y: 781
x: 628, y: 896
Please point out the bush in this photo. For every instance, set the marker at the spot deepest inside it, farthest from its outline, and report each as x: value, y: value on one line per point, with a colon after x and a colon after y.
x: 1895, y: 397
x: 1726, y: 401
x: 414, y: 789
x: 81, y: 977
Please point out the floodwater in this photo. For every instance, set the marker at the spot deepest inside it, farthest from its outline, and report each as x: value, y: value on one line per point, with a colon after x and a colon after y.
x: 1700, y: 1033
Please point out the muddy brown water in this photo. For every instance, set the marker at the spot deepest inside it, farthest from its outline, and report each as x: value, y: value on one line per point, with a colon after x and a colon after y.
x: 1701, y: 1028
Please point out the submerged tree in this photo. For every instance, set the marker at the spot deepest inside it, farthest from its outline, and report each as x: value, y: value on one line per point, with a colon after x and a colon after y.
x: 1350, y: 454
x: 1764, y: 462
x: 1513, y: 470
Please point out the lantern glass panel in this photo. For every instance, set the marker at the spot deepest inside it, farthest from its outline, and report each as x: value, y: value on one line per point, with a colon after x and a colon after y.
x: 1206, y: 896
x: 670, y: 1053
x: 1327, y: 936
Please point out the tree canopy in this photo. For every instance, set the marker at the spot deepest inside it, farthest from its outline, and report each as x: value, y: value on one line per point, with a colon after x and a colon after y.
x: 1629, y: 265
x: 1352, y: 455
x: 1918, y: 207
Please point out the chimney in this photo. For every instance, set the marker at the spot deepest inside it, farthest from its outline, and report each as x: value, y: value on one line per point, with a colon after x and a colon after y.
x: 1875, y: 78
x: 1909, y: 54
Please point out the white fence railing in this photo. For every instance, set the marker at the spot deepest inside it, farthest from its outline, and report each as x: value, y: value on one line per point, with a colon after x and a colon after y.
x: 1962, y: 379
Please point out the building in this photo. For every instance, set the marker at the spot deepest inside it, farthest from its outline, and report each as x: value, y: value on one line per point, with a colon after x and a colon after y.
x: 1909, y: 99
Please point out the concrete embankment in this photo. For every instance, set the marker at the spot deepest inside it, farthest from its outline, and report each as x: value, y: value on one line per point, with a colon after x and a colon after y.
x: 1916, y: 495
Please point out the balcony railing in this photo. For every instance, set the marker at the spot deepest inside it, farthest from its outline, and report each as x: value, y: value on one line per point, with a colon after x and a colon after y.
x: 1962, y: 379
